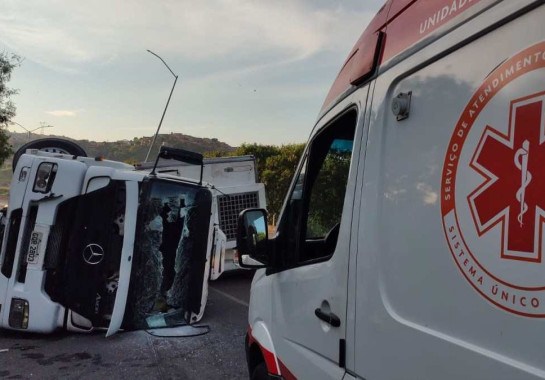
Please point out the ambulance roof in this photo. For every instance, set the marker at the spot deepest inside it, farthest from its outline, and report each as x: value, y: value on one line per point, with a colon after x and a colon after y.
x: 397, y: 26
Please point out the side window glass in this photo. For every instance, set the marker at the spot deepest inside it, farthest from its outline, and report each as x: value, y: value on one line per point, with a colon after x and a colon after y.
x: 317, y: 199
x: 297, y: 193
x: 327, y: 195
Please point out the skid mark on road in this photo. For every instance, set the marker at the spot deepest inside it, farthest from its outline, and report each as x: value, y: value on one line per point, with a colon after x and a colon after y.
x: 227, y: 295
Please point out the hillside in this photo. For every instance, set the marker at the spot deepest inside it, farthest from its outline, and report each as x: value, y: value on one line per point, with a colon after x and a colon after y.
x: 135, y: 150
x: 131, y: 151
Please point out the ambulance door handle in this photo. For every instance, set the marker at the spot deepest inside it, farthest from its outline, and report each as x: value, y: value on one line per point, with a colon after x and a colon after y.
x: 328, y: 317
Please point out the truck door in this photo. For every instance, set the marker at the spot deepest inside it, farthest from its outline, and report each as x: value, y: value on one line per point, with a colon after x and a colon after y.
x: 309, y: 295
x: 169, y: 276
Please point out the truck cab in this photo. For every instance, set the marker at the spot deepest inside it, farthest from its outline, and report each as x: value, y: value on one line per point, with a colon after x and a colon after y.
x: 88, y: 241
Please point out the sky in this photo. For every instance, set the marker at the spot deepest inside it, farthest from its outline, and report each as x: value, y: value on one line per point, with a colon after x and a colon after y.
x: 249, y: 70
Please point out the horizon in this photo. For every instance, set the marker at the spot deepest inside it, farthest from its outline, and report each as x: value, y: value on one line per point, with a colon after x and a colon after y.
x: 248, y: 71
x: 38, y: 136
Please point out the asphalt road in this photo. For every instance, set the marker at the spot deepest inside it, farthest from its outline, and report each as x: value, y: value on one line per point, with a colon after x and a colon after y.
x: 138, y: 355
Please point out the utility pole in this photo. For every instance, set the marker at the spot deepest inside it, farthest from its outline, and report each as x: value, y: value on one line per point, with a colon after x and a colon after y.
x: 29, y: 131
x: 43, y: 125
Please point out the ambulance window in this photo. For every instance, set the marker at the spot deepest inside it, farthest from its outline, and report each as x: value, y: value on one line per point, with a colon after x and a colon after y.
x: 327, y: 195
x: 325, y: 180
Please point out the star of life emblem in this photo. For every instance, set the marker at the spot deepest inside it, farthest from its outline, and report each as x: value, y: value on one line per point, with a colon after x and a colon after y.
x: 493, y: 186
x: 511, y: 195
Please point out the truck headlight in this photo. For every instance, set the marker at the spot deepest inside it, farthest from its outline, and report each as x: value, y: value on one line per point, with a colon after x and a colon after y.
x: 45, y: 177
x: 18, y: 313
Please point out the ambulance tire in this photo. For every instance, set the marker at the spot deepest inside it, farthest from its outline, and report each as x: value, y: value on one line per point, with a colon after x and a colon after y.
x: 260, y: 372
x: 52, y: 145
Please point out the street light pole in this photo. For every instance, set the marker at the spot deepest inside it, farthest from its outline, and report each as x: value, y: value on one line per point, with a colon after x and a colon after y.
x: 27, y: 131
x: 166, y: 106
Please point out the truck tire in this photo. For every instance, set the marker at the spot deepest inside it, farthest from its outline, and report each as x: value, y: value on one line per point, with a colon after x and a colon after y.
x: 52, y: 145
x: 260, y: 372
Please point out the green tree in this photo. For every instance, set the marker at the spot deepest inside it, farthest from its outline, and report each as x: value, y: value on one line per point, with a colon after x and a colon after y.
x: 327, y: 198
x: 7, y: 109
x: 260, y: 152
x: 276, y: 167
x: 277, y: 174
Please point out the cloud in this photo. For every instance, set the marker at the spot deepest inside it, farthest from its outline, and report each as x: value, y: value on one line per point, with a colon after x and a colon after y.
x: 64, y: 34
x: 63, y: 113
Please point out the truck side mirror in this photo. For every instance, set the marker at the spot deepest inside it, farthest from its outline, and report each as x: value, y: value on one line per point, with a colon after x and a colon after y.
x: 252, y: 239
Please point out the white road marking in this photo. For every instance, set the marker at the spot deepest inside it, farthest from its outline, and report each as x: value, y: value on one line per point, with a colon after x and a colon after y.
x: 227, y: 295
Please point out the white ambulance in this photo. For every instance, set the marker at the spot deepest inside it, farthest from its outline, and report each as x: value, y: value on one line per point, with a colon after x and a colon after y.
x: 410, y: 245
x: 94, y: 244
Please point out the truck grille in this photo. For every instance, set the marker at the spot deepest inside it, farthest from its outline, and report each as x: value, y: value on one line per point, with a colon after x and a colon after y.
x: 29, y: 227
x: 229, y: 208
x: 53, y: 252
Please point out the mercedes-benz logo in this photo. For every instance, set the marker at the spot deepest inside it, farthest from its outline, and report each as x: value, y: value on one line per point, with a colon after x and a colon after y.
x: 93, y: 254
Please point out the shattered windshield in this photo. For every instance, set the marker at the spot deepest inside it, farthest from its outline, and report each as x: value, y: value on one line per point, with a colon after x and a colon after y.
x: 169, y: 254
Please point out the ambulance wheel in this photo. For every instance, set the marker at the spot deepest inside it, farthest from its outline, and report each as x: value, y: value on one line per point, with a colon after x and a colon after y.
x: 52, y: 145
x: 260, y: 372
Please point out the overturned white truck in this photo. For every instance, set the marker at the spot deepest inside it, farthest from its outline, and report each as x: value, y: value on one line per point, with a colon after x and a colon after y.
x: 92, y: 243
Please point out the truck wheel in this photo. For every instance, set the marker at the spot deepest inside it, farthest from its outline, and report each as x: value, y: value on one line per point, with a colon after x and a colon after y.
x: 52, y: 145
x: 260, y: 372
